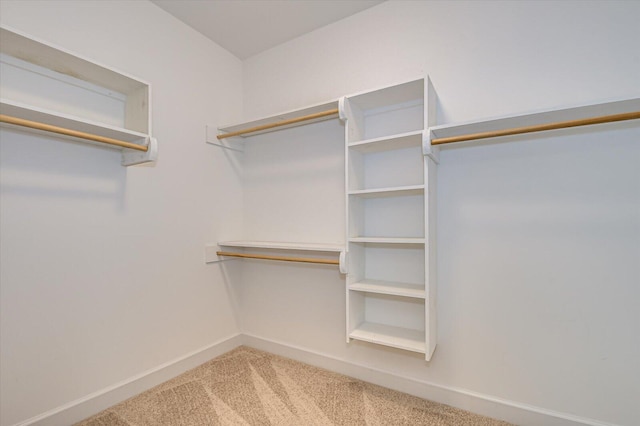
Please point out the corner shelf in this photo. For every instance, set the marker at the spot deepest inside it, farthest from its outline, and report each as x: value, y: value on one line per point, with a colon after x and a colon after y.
x: 53, y: 87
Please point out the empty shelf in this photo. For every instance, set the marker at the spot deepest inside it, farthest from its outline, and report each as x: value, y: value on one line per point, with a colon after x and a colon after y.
x: 388, y: 143
x: 536, y: 118
x: 284, y: 246
x: 398, y: 191
x: 397, y: 337
x: 284, y: 117
x: 388, y: 287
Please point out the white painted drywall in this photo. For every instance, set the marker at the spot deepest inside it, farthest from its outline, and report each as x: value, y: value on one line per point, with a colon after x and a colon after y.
x: 539, y: 237
x: 102, y: 266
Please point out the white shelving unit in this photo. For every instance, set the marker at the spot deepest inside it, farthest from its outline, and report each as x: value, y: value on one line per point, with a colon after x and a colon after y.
x: 390, y: 191
x: 51, y: 86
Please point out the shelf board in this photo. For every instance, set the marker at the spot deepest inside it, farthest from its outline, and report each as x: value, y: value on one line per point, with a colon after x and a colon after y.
x: 416, y: 291
x: 319, y: 247
x: 396, y: 94
x: 282, y: 117
x: 536, y: 118
x: 396, y: 337
x: 45, y: 55
x: 45, y: 116
x: 388, y: 143
x: 398, y: 191
x: 388, y: 240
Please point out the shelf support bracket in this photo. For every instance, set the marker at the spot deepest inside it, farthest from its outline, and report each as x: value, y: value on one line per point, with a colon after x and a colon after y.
x: 132, y: 157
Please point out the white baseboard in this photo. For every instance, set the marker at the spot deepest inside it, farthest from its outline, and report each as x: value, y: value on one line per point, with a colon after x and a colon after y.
x: 91, y: 404
x: 498, y: 408
x: 510, y: 411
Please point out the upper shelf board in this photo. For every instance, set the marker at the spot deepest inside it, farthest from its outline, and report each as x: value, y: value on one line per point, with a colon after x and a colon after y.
x: 396, y: 94
x: 282, y: 117
x: 64, y: 62
x: 284, y: 246
x: 619, y: 106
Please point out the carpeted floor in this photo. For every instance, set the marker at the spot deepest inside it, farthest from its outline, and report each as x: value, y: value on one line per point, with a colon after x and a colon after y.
x: 251, y: 387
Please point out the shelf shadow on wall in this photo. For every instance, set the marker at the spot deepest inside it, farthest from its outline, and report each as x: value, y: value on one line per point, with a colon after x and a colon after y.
x: 44, y: 165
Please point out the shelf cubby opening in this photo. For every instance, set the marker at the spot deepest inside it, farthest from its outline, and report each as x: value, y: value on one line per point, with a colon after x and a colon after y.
x: 387, y: 216
x: 388, y: 169
x: 403, y: 263
x: 389, y: 111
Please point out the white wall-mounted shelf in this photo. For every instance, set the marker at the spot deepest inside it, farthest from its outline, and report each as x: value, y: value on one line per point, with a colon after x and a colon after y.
x: 312, y: 251
x: 282, y: 117
x: 50, y: 86
x: 579, y: 112
x: 390, y: 194
x: 279, y: 245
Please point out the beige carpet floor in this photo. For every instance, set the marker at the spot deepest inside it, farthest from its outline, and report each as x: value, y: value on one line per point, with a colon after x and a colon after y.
x: 251, y: 387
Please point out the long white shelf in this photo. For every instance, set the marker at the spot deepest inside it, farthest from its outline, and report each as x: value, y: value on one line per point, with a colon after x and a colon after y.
x: 30, y: 59
x: 282, y: 117
x: 579, y: 112
x: 398, y: 191
x: 397, y: 337
x: 315, y: 251
x: 53, y: 118
x: 410, y: 91
x: 278, y: 245
x: 388, y: 143
x: 391, y: 288
x: 41, y: 115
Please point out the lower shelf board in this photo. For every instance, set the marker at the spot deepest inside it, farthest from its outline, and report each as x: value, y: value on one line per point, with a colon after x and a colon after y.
x: 396, y: 337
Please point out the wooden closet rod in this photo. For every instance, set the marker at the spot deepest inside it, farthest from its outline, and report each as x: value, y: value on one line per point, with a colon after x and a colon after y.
x: 69, y: 132
x: 282, y: 258
x: 538, y: 128
x: 280, y: 123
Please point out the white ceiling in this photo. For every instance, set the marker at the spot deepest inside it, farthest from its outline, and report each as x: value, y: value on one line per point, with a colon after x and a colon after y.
x: 248, y: 27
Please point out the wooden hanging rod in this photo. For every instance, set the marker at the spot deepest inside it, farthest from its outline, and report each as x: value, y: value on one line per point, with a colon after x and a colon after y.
x: 538, y: 128
x: 282, y: 258
x: 280, y: 123
x: 69, y: 132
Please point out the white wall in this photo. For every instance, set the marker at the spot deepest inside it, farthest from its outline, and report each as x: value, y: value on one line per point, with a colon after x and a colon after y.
x: 102, y: 266
x: 102, y: 275
x: 539, y: 238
